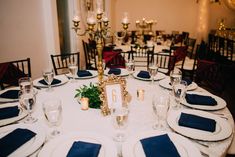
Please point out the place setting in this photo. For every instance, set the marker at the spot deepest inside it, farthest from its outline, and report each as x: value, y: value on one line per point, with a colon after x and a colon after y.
x: 49, y: 80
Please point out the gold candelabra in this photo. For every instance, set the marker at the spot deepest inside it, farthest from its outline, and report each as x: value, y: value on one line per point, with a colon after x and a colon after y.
x: 145, y: 25
x: 97, y: 29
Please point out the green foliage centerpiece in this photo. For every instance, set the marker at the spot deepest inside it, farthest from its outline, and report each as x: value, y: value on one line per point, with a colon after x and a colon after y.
x: 92, y: 92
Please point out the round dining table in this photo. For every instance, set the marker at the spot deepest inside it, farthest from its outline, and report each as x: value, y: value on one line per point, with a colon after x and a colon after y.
x: 141, y: 118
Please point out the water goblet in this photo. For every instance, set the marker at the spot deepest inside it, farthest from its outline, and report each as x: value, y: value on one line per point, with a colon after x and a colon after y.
x: 120, y: 120
x: 179, y: 90
x: 73, y: 68
x: 153, y: 68
x: 27, y: 100
x: 160, y: 104
x: 53, y: 113
x: 175, y: 76
x: 130, y: 66
x: 48, y: 75
x: 25, y: 84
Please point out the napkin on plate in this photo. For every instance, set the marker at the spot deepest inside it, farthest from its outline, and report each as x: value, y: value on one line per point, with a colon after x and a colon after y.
x: 143, y: 74
x: 83, y: 73
x: 14, y: 140
x: 10, y: 94
x: 84, y: 149
x: 197, y: 122
x: 200, y: 100
x: 159, y: 146
x: 54, y: 82
x: 114, y: 71
x: 9, y: 112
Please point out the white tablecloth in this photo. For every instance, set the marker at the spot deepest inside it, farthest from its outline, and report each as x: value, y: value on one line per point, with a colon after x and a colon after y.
x: 141, y: 117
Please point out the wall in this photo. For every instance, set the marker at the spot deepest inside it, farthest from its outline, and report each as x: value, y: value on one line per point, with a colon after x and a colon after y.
x: 27, y: 31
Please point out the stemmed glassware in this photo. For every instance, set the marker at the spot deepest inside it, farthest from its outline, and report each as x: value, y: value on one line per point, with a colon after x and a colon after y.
x: 48, y: 75
x: 53, y: 113
x: 130, y: 64
x: 25, y: 84
x: 175, y: 76
x: 73, y: 68
x: 179, y: 90
x: 153, y: 68
x: 27, y: 100
x: 120, y: 120
x: 160, y: 104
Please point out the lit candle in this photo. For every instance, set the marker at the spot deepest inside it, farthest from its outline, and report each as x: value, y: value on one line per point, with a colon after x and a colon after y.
x: 85, y: 103
x: 105, y: 17
x: 125, y: 19
x: 91, y: 20
x: 99, y: 6
x: 140, y: 94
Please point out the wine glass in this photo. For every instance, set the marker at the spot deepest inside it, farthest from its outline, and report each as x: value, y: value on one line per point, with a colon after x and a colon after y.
x: 25, y: 84
x: 120, y: 119
x: 27, y: 100
x: 73, y: 68
x: 160, y: 104
x: 53, y: 113
x: 48, y: 75
x: 130, y: 66
x: 153, y: 68
x: 179, y: 90
x: 175, y: 76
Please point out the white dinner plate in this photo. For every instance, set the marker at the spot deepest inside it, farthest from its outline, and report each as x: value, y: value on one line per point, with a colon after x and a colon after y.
x: 23, y: 113
x: 62, y: 78
x: 166, y: 84
x: 223, y: 129
x: 60, y: 146
x: 220, y: 102
x: 132, y: 146
x: 32, y: 145
x: 5, y: 100
x: 93, y: 72
x: 159, y: 76
x: 124, y: 72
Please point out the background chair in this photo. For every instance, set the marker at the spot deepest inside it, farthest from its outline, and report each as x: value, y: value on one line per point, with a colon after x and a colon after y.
x: 10, y: 72
x: 61, y: 62
x: 90, y: 55
x: 165, y: 62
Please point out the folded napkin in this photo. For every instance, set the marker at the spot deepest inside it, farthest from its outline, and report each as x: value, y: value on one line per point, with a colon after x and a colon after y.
x: 84, y: 149
x: 188, y: 81
x: 9, y: 112
x: 54, y: 82
x: 159, y: 146
x: 143, y: 74
x: 10, y: 94
x: 83, y: 73
x: 114, y: 71
x: 195, y: 99
x: 197, y: 122
x: 14, y: 140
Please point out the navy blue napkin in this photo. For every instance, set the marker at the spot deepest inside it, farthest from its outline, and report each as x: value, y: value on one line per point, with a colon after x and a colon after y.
x: 195, y: 99
x: 84, y: 149
x: 114, y: 71
x: 54, y: 82
x: 159, y: 146
x: 188, y: 81
x: 14, y: 140
x: 197, y: 122
x: 83, y: 73
x: 9, y: 112
x: 10, y: 94
x: 143, y: 74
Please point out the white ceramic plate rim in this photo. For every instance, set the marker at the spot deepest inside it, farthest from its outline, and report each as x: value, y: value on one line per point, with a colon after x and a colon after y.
x: 23, y: 113
x: 124, y: 72
x: 220, y: 102
x: 108, y: 146
x: 165, y: 83
x: 62, y: 78
x: 179, y: 141
x: 32, y: 145
x: 223, y: 128
x: 159, y: 76
x: 93, y: 72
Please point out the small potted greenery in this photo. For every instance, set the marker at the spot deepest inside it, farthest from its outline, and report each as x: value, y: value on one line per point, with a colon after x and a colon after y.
x: 92, y: 92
